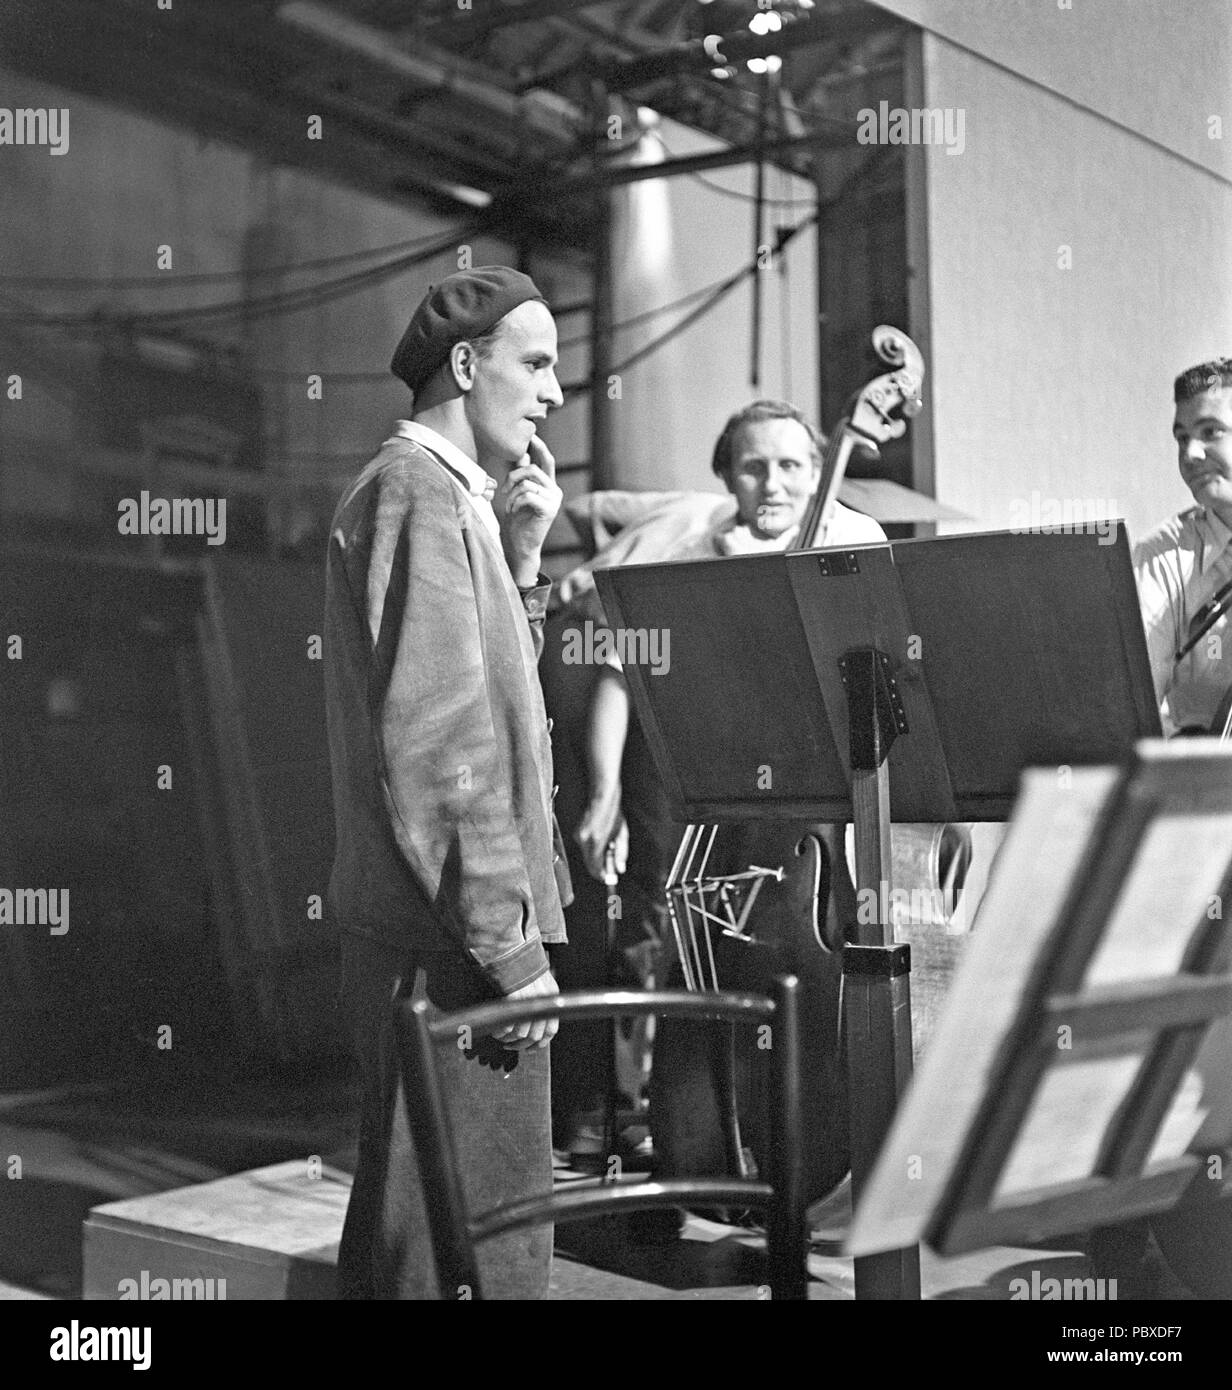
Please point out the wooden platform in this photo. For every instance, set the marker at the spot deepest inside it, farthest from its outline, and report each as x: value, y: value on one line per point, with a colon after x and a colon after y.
x: 273, y: 1232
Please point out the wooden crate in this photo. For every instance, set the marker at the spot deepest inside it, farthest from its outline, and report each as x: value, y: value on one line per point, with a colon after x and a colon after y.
x: 271, y: 1233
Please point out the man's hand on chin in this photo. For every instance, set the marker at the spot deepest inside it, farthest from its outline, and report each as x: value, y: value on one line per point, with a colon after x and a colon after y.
x: 527, y: 503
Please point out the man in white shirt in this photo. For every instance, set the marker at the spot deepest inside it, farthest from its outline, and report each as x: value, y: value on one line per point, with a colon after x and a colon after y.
x: 769, y: 458
x: 1184, y: 567
x: 1184, y: 574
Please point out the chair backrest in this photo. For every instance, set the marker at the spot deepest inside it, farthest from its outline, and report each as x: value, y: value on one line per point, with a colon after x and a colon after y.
x: 456, y: 1231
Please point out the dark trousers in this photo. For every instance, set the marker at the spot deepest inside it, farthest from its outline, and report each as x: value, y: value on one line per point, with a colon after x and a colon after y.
x: 500, y: 1106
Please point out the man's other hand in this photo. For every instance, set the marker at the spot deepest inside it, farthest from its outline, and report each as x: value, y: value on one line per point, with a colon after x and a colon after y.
x: 538, y: 1034
x: 603, y: 828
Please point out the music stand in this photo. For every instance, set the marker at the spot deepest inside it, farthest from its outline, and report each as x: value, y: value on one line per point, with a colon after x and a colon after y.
x: 913, y: 681
x: 1079, y: 1074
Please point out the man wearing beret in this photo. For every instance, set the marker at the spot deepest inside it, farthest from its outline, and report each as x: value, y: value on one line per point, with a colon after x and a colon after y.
x: 447, y: 884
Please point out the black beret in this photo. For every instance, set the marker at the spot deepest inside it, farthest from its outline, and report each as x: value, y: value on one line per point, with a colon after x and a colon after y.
x: 461, y: 307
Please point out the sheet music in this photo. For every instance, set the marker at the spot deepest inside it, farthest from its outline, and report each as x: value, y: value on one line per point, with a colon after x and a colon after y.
x: 1173, y: 885
x: 1167, y: 898
x: 1059, y: 1141
x: 1170, y: 894
x: 1041, y: 852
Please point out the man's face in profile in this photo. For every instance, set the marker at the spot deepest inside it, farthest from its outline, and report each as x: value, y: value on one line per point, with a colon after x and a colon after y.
x: 774, y: 471
x: 515, y: 385
x: 1202, y: 429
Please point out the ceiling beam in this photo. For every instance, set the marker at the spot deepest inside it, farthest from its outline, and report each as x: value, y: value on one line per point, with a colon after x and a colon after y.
x: 215, y: 94
x: 729, y: 110
x: 839, y: 135
x: 474, y: 25
x: 434, y: 71
x: 697, y: 55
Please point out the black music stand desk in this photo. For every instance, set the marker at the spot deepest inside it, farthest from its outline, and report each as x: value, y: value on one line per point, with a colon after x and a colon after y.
x: 911, y: 681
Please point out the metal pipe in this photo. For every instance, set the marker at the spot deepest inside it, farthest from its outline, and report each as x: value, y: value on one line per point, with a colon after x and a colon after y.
x: 839, y: 135
x: 437, y: 73
x: 759, y: 213
x: 602, y: 308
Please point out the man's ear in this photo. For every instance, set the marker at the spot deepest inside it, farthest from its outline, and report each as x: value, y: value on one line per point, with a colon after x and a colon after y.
x: 462, y: 360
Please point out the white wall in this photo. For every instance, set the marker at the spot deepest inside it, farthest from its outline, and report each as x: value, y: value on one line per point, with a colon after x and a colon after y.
x: 1087, y: 129
x: 1160, y: 68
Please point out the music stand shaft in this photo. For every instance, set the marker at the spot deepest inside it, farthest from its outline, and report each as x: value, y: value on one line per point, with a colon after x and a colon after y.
x: 876, y: 971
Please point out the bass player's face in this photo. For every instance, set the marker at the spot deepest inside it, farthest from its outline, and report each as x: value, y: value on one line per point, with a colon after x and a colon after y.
x: 774, y: 471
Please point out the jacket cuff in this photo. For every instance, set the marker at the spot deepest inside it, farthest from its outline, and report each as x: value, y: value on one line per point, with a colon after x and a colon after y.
x: 535, y: 598
x: 518, y: 967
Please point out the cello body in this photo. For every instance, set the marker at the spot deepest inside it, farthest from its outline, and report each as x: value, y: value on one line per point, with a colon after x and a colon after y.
x: 799, y: 927
x: 709, y: 1087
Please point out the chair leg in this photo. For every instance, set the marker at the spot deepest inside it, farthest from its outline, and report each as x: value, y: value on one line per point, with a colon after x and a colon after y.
x: 452, y: 1247
x: 787, y: 1241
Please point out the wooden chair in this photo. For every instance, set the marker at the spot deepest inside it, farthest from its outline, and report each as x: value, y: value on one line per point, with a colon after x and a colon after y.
x: 456, y: 1231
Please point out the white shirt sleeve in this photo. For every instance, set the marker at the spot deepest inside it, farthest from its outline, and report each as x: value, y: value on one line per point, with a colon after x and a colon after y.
x: 1160, y: 575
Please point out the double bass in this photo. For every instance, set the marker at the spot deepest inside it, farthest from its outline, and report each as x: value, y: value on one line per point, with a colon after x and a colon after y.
x: 751, y: 901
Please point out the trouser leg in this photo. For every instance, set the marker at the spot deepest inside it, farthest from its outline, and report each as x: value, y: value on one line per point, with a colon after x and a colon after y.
x: 499, y: 1104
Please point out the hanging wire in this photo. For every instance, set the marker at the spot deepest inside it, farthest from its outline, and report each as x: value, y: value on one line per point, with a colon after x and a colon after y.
x: 713, y: 298
x: 735, y: 192
x: 382, y: 374
x: 285, y: 301
x: 785, y: 316
x: 646, y: 315
x: 710, y: 295
x: 168, y: 281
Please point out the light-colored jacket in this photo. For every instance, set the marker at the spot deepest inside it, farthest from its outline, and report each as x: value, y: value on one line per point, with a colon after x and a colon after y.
x: 439, y: 744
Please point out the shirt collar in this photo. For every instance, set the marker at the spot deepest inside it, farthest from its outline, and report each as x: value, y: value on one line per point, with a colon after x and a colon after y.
x: 472, y: 477
x: 1215, y: 533
x: 735, y: 538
